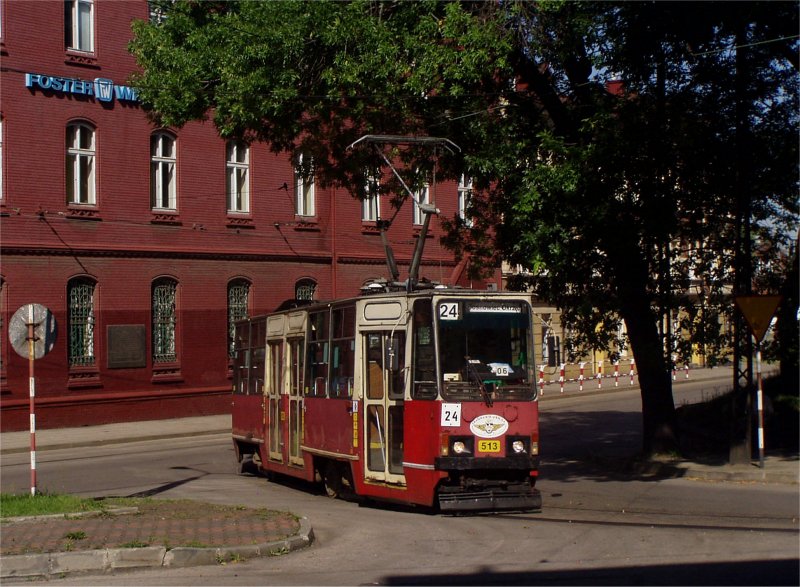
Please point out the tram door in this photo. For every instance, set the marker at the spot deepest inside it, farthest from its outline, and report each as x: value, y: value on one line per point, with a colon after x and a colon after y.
x: 384, y: 354
x: 274, y: 385
x: 296, y: 350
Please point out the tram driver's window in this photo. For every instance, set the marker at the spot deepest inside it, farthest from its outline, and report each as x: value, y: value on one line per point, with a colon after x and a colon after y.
x: 424, y: 356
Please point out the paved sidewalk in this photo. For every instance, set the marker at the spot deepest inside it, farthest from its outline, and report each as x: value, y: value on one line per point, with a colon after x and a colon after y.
x: 59, y: 545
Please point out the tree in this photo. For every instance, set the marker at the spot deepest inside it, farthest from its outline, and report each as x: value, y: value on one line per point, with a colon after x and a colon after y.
x: 614, y: 195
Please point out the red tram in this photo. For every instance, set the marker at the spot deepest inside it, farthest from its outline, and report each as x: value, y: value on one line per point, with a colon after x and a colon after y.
x: 425, y: 397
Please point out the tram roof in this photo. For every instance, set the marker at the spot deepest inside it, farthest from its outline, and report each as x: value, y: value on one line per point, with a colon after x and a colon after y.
x: 292, y: 306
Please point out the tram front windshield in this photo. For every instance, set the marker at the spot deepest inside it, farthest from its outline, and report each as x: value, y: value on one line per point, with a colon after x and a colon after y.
x: 485, y: 347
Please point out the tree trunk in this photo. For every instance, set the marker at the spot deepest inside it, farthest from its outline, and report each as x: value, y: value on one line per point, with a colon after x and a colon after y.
x: 658, y: 406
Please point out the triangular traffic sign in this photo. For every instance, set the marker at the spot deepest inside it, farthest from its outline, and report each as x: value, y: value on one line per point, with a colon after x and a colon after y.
x: 758, y: 311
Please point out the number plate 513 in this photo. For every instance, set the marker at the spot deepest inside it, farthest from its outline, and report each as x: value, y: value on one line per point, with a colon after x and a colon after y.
x: 488, y: 446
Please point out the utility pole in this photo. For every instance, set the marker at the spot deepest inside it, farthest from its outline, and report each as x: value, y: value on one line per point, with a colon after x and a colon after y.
x: 741, y: 401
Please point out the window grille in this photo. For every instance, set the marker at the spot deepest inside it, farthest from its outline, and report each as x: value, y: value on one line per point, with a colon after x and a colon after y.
x: 80, y: 323
x: 238, y: 297
x: 164, y: 321
x: 304, y: 290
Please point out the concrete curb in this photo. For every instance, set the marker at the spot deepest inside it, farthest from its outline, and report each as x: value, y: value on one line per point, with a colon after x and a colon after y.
x: 57, y: 564
x: 736, y: 473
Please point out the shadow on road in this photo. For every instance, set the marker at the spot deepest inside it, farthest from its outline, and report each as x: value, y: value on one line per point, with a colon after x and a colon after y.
x: 601, y: 446
x: 761, y: 572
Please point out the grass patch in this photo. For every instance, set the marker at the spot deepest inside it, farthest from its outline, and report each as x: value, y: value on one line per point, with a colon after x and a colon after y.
x: 43, y: 504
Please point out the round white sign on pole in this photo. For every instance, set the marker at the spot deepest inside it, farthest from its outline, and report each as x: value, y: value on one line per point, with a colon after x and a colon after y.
x: 44, y: 330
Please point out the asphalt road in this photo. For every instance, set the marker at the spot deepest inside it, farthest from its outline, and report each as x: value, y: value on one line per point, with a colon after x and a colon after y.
x: 598, y: 526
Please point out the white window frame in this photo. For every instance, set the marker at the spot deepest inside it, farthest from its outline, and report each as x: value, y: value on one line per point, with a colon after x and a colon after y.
x: 304, y: 186
x: 464, y: 198
x: 81, y: 29
x: 371, y: 204
x: 163, y: 172
x: 237, y: 154
x: 421, y: 196
x: 81, y: 165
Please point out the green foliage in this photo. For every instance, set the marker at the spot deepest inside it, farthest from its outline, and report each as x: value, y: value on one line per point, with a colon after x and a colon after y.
x: 612, y: 144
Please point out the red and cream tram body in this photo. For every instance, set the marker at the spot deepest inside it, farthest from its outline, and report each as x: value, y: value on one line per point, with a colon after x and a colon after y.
x: 426, y: 397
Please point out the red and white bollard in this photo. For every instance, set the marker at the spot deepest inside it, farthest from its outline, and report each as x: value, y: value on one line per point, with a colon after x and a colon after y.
x: 541, y: 379
x: 561, y: 376
x: 580, y: 377
x: 599, y: 374
x: 616, y: 374
x: 686, y: 366
x: 632, y: 371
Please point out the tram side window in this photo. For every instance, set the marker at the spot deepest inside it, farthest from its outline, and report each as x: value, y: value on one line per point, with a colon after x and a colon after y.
x: 275, y: 382
x: 296, y: 364
x: 318, y: 354
x: 258, y: 339
x: 241, y: 362
x: 424, y: 356
x: 343, y: 348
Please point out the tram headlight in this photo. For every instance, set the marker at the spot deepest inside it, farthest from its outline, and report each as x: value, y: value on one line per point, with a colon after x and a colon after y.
x: 518, y: 445
x: 459, y: 447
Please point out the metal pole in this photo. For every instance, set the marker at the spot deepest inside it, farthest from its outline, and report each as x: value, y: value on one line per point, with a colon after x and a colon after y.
x: 32, y: 389
x: 760, y: 407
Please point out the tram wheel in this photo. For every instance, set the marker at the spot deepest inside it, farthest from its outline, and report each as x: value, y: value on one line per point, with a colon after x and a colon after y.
x: 332, y: 479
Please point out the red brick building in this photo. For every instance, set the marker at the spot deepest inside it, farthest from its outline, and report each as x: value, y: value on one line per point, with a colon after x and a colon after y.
x: 144, y: 242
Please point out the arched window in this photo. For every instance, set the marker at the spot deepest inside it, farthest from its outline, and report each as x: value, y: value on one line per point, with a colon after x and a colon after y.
x: 238, y: 168
x: 80, y: 322
x: 305, y: 289
x: 165, y: 320
x: 163, y: 182
x: 80, y: 164
x: 238, y: 308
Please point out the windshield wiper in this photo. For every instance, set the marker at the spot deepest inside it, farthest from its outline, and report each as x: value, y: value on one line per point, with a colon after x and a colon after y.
x: 473, y: 373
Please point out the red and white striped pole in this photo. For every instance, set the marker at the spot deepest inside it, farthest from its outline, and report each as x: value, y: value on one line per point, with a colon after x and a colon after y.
x: 541, y: 379
x: 32, y: 395
x: 580, y: 377
x: 686, y: 367
x: 599, y: 374
x: 632, y: 371
x: 561, y: 376
x: 616, y: 374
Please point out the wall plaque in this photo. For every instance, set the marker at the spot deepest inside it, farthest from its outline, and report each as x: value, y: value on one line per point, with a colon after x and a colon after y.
x: 127, y: 348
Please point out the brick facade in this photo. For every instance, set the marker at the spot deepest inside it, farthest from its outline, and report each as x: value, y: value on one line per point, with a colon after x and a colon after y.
x: 122, y: 246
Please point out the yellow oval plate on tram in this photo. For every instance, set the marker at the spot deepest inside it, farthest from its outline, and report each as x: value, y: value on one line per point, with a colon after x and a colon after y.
x: 488, y: 446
